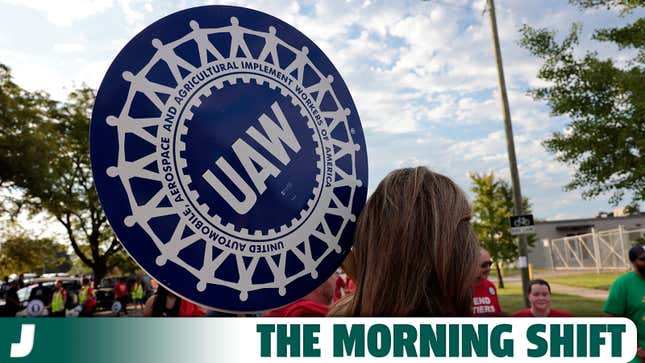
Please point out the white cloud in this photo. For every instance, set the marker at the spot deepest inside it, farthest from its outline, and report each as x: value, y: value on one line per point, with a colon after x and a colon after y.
x: 470, y: 110
x: 68, y: 47
x: 35, y: 74
x: 428, y: 33
x: 91, y: 73
x: 64, y: 12
x: 422, y: 74
x: 131, y: 14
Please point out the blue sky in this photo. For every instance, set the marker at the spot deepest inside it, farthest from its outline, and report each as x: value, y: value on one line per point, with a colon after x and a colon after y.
x: 422, y: 74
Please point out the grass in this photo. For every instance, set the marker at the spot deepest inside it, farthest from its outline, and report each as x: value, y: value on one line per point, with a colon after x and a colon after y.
x: 506, y: 272
x: 510, y: 298
x: 510, y: 271
x: 601, y: 281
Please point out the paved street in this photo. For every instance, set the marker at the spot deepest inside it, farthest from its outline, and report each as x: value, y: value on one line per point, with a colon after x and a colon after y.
x: 132, y: 312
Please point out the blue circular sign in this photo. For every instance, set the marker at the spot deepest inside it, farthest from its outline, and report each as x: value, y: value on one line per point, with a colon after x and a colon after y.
x: 229, y: 158
x: 35, y: 308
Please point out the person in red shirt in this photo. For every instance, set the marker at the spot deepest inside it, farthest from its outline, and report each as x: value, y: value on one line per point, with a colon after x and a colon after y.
x: 340, y: 286
x: 485, y: 301
x: 313, y: 305
x: 540, y: 298
x: 166, y: 304
x: 121, y: 295
x: 344, y: 286
x: 350, y: 286
x: 87, y: 298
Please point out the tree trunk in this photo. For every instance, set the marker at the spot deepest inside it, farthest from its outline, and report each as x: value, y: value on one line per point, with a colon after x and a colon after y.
x: 100, y: 270
x: 500, y: 278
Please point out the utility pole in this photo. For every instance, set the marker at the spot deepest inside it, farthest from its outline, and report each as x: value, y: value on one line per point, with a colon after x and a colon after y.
x: 510, y: 145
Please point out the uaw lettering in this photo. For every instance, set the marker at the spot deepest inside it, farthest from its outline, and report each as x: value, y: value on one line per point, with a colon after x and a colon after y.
x: 227, y: 242
x: 229, y: 158
x: 278, y: 136
x: 202, y: 76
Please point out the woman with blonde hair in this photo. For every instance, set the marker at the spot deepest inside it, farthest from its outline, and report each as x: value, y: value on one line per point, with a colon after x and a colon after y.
x: 414, y: 249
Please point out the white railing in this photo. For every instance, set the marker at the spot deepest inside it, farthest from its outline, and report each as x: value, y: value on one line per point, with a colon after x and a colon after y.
x: 604, y: 250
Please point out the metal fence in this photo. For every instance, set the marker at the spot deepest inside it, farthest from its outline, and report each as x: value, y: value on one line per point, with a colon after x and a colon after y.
x: 604, y: 250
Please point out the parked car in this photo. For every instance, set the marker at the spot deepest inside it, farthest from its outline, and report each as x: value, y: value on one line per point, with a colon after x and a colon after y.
x: 55, y: 275
x: 105, y: 292
x: 72, y: 285
x: 28, y: 277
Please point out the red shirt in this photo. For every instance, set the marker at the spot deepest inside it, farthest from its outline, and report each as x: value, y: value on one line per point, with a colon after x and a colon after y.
x: 306, y: 308
x: 350, y: 286
x: 186, y: 308
x: 120, y: 289
x: 90, y: 303
x: 340, y: 285
x: 485, y: 301
x: 343, y: 287
x: 526, y: 313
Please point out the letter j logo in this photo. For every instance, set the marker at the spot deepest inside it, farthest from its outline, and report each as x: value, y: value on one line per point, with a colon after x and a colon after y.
x: 26, y: 343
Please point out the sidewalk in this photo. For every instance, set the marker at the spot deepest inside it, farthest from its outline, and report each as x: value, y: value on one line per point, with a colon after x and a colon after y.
x: 564, y: 289
x: 132, y: 313
x: 580, y: 291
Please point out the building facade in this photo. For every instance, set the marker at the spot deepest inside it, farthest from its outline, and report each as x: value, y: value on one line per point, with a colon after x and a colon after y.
x: 585, y: 243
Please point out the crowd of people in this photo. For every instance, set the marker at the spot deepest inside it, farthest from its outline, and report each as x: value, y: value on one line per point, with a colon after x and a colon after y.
x: 66, y: 296
x: 414, y: 253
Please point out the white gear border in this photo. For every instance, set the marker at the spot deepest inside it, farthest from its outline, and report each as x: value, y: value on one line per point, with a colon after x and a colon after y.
x: 186, y: 180
x: 142, y: 214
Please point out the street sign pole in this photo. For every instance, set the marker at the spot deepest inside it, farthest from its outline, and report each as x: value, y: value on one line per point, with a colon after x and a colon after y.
x: 517, y: 193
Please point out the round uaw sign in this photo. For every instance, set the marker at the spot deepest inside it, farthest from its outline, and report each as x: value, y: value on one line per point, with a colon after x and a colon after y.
x: 229, y: 158
x: 35, y: 308
x: 116, y: 307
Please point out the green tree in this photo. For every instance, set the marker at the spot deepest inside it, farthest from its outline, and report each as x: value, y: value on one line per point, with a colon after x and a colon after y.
x: 492, y: 207
x: 120, y: 260
x: 124, y: 262
x: 25, y: 143
x: 78, y: 267
x: 20, y: 254
x: 62, y: 185
x: 605, y: 101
